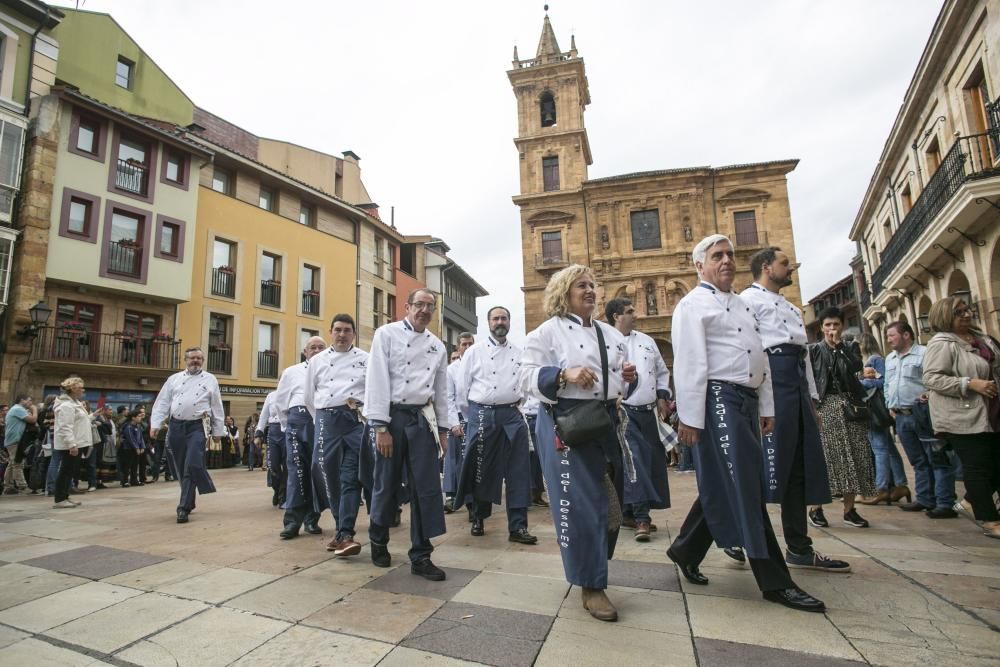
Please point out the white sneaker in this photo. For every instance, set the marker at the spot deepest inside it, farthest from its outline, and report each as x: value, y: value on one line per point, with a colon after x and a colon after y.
x: 76, y: 503
x: 91, y: 489
x: 64, y: 504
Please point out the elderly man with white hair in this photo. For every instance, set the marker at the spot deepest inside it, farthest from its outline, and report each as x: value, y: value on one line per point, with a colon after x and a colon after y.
x: 297, y: 423
x: 725, y: 403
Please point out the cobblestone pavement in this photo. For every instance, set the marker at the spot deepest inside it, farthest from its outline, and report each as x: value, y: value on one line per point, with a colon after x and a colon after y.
x: 117, y: 581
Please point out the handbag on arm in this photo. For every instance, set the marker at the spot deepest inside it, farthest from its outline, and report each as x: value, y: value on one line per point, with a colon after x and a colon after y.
x: 587, y: 420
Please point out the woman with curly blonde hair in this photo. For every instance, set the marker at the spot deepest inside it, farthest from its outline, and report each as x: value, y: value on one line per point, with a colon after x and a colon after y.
x: 572, y: 359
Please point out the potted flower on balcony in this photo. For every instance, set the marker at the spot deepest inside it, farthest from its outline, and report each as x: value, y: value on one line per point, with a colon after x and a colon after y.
x: 226, y: 269
x: 310, y: 292
x: 73, y: 326
x: 220, y: 347
x: 270, y: 353
x: 128, y: 243
x: 163, y: 337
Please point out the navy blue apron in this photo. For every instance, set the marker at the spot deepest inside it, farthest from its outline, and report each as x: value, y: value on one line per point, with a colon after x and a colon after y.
x: 650, y: 459
x: 728, y: 461
x: 298, y: 457
x: 497, y: 450
x: 453, y: 460
x: 537, y: 481
x: 335, y: 461
x: 579, y: 502
x: 794, y: 418
x: 414, y: 463
x: 186, y: 454
x: 276, y: 472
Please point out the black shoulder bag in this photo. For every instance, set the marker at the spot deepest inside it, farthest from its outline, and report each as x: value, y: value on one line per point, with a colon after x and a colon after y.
x: 587, y: 420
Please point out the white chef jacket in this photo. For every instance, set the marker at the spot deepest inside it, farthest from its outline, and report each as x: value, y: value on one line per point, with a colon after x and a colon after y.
x: 780, y: 323
x: 291, y: 391
x: 268, y: 412
x: 654, y: 376
x: 334, y: 377
x: 715, y: 338
x: 453, y: 413
x: 489, y: 374
x: 530, y: 406
x: 406, y: 367
x: 188, y: 396
x: 563, y: 342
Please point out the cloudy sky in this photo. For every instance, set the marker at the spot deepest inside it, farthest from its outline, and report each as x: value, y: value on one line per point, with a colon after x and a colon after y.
x: 419, y: 91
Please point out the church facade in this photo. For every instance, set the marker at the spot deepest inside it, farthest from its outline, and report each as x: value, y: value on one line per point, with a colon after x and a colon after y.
x: 636, y: 231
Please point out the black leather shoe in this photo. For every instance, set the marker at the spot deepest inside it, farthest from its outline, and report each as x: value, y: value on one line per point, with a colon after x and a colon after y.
x: 522, y: 536
x: 941, y: 513
x: 182, y: 516
x: 477, y: 528
x: 690, y: 572
x: 795, y: 598
x: 736, y: 553
x: 428, y: 570
x: 289, y: 532
x: 274, y: 499
x: 380, y: 555
x: 449, y: 505
x: 914, y: 507
x: 313, y: 529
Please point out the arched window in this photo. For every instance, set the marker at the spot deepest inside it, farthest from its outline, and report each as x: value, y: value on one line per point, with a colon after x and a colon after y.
x: 547, y: 108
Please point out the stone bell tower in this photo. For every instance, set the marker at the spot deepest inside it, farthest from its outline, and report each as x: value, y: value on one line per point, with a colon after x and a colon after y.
x: 553, y: 156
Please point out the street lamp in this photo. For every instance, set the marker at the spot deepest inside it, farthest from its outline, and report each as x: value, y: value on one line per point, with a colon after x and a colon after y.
x: 39, y: 314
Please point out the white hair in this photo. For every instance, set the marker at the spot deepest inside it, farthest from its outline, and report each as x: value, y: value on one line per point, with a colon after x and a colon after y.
x: 700, y: 250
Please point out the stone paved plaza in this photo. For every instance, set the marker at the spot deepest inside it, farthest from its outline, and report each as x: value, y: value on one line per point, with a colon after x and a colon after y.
x: 117, y: 581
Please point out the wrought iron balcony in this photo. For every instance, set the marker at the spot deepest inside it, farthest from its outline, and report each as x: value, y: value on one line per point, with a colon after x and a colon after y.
x: 270, y: 293
x: 969, y: 158
x: 80, y: 346
x: 132, y: 177
x: 125, y: 258
x: 220, y: 359
x: 224, y: 282
x: 267, y: 364
x: 310, y: 302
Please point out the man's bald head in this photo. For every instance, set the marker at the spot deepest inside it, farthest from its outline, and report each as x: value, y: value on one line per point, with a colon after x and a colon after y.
x: 314, y: 345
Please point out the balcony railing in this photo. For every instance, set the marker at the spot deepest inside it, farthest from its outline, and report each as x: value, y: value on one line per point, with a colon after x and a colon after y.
x: 105, y: 349
x: 866, y: 299
x: 220, y: 360
x: 968, y: 158
x: 750, y: 238
x: 310, y: 302
x: 132, y: 177
x: 270, y: 293
x: 125, y: 258
x: 550, y: 261
x: 224, y: 283
x: 267, y: 365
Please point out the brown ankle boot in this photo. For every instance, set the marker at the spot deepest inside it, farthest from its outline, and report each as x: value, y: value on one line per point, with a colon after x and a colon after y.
x: 899, y: 492
x: 880, y: 497
x: 597, y: 603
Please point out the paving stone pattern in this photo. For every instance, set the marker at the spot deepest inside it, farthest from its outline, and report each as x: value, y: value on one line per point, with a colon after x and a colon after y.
x: 117, y: 581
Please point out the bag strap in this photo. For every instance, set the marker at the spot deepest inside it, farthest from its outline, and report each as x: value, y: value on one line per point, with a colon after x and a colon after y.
x: 604, y: 357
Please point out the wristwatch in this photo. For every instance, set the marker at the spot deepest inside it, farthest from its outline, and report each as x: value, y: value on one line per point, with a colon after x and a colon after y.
x: 381, y: 429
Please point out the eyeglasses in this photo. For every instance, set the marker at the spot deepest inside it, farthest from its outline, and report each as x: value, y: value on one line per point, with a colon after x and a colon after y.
x: 961, y: 312
x: 423, y: 305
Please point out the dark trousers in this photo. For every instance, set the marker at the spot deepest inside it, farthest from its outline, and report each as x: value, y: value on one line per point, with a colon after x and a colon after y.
x: 980, y: 456
x: 793, y: 506
x: 695, y: 539
x: 186, y: 452
x: 131, y: 472
x: 68, y: 466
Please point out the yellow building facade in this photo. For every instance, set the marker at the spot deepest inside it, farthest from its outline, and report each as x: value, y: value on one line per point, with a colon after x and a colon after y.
x: 262, y: 281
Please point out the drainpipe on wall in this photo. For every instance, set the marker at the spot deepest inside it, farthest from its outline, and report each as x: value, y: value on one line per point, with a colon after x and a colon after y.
x: 357, y: 275
x: 31, y: 62
x: 715, y: 213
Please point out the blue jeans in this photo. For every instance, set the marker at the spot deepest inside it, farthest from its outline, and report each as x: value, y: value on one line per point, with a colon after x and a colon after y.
x: 50, y: 474
x: 686, y: 459
x: 637, y: 511
x: 888, y: 463
x: 935, y: 482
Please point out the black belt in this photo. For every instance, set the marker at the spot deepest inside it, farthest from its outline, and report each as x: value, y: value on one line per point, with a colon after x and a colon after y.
x: 496, y: 406
x: 406, y: 407
x: 640, y: 408
x: 345, y: 406
x: 787, y: 350
x: 185, y: 421
x: 902, y: 411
